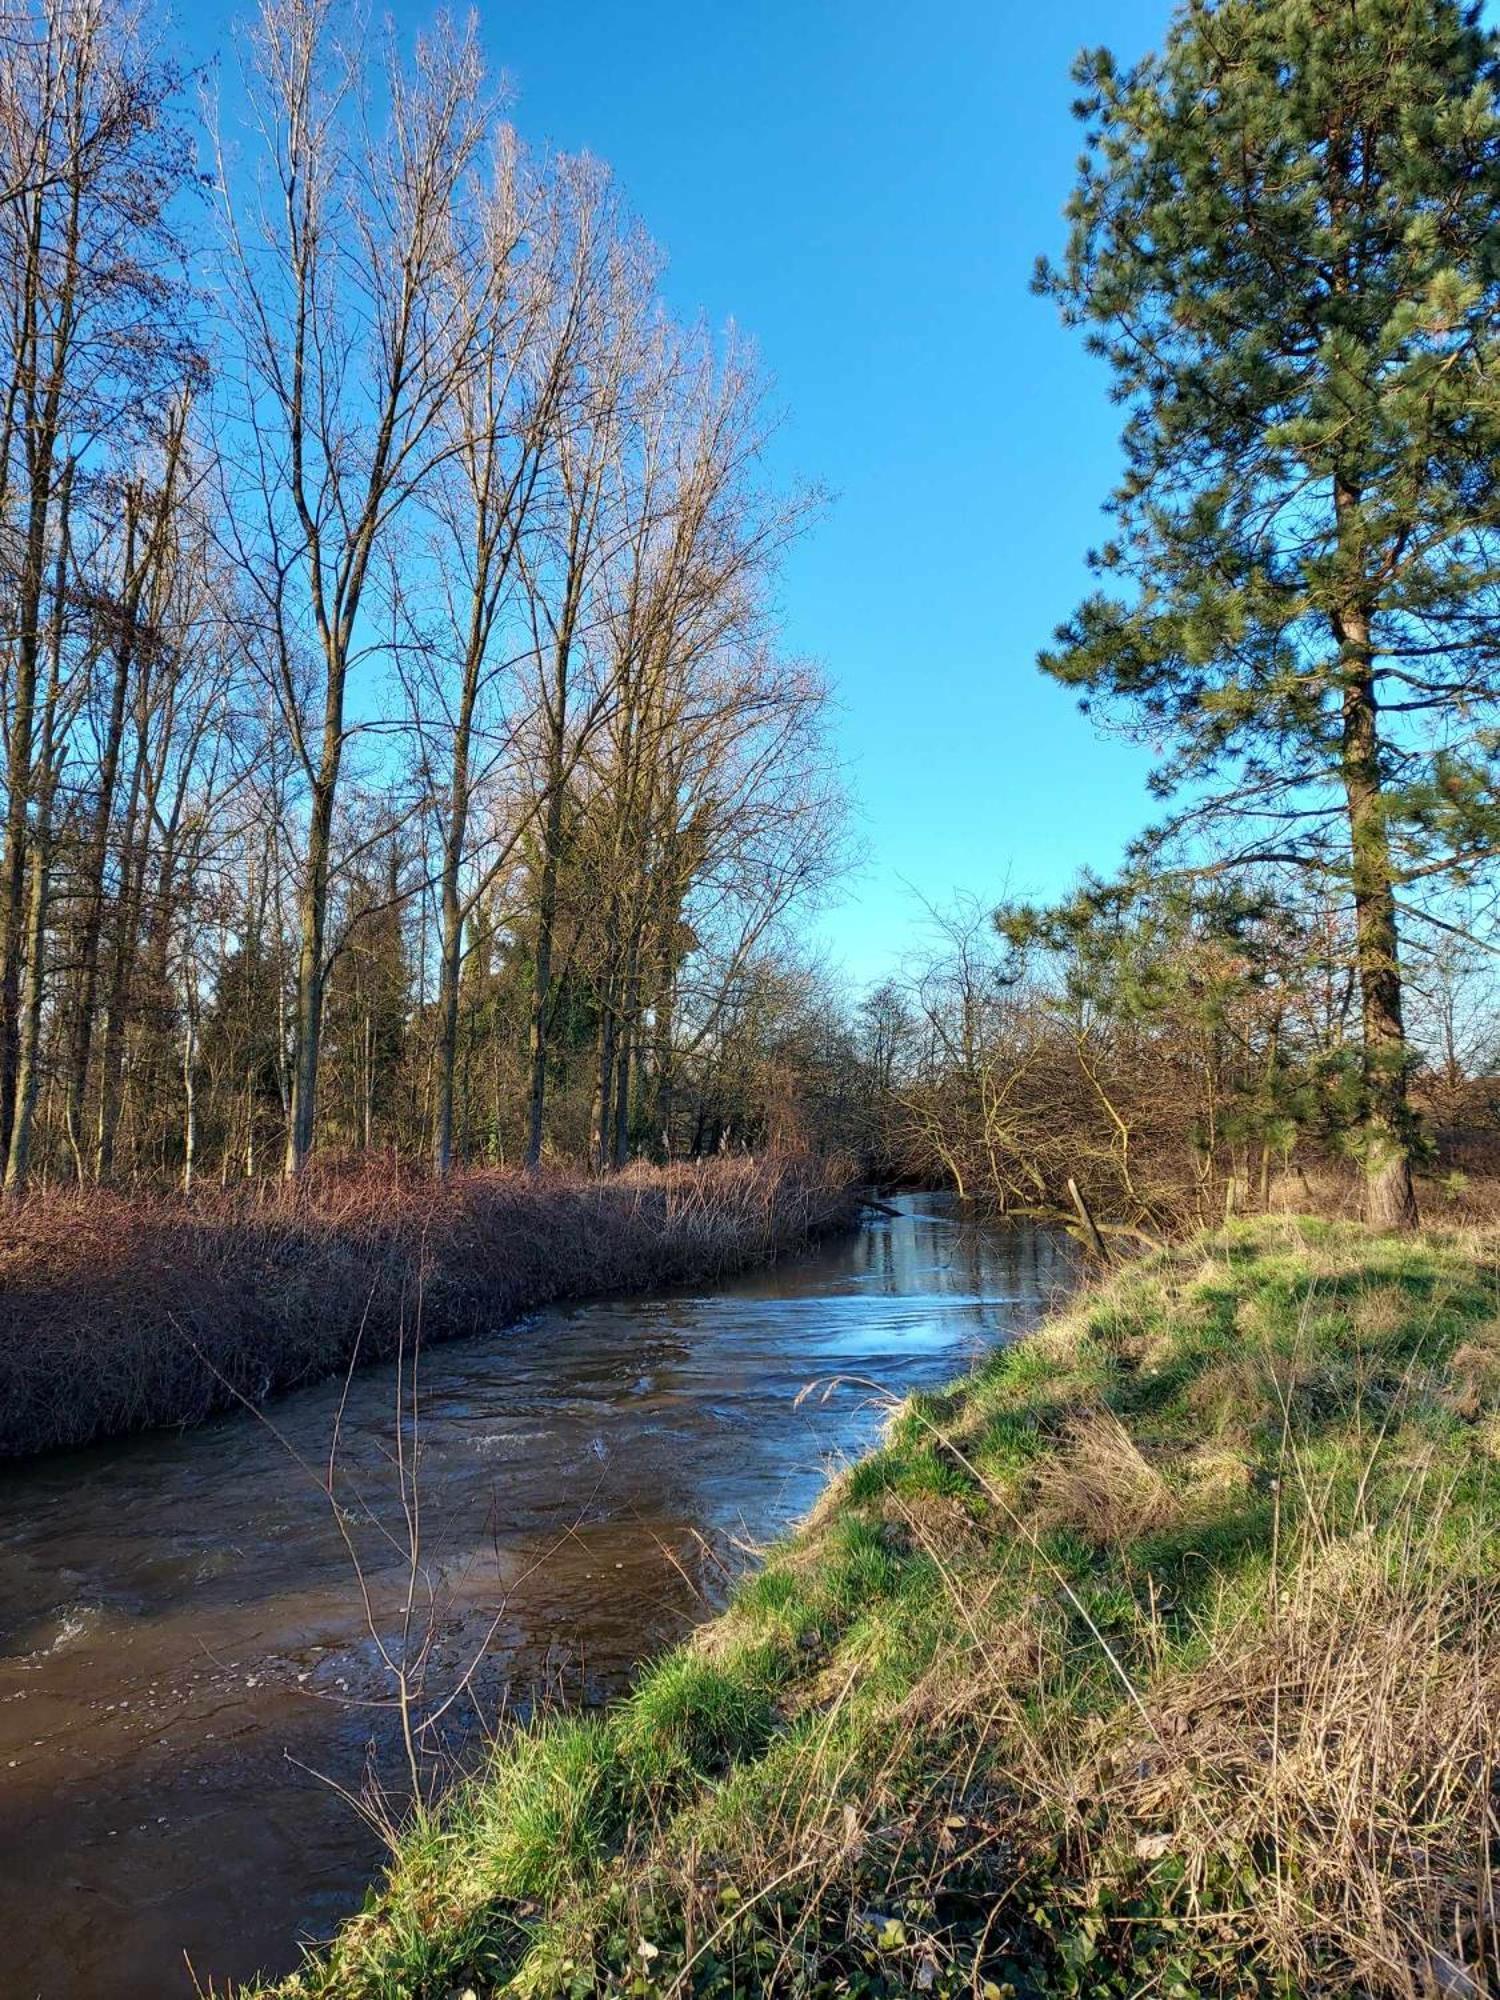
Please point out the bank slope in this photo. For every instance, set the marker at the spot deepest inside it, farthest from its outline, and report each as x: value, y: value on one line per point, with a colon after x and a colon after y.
x: 1161, y: 1656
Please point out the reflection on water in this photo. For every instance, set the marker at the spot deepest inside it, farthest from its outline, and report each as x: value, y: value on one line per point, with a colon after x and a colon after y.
x: 183, y: 1644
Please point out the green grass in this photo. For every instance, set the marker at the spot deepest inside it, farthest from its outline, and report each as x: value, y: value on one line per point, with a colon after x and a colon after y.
x: 1162, y: 1656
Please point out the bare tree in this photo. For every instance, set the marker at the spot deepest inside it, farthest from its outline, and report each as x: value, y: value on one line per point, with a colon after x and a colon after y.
x: 540, y: 267
x: 92, y: 321
x: 565, y: 566
x: 339, y: 275
x: 396, y: 703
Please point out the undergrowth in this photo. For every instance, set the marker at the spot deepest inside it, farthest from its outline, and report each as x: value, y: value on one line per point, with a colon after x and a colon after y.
x: 1160, y: 1657
x: 119, y: 1311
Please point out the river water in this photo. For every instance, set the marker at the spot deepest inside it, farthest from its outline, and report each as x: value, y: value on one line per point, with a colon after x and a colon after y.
x: 196, y: 1689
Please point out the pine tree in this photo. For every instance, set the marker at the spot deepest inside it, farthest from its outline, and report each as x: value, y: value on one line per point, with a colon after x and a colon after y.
x: 1285, y: 243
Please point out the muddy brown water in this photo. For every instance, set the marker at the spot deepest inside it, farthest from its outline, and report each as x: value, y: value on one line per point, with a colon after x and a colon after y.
x: 190, y: 1692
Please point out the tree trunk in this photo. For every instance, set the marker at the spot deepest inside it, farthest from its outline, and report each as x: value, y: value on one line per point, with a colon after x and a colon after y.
x: 41, y: 405
x: 541, y: 995
x: 624, y: 1055
x: 661, y: 1044
x: 28, y: 1070
x: 451, y: 948
x: 1390, y: 1196
x: 451, y: 954
x: 127, y: 933
x: 87, y: 987
x: 18, y: 780
x: 140, y: 569
x: 312, y: 916
x: 190, y: 1092
x: 28, y: 1067
x: 368, y: 1120
x: 621, y: 1149
x: 604, y: 1081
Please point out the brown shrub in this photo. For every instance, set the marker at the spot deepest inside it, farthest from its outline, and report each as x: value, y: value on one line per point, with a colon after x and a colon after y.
x: 119, y: 1312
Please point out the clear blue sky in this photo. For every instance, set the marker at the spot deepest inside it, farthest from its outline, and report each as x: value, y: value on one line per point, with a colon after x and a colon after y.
x: 863, y: 188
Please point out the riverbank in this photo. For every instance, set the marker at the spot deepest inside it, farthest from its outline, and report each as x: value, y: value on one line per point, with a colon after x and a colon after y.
x: 119, y: 1313
x: 1162, y: 1655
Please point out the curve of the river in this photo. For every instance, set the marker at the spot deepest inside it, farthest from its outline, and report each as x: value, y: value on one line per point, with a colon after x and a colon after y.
x: 191, y: 1684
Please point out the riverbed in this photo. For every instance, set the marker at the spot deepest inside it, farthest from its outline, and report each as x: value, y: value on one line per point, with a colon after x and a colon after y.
x: 226, y: 1654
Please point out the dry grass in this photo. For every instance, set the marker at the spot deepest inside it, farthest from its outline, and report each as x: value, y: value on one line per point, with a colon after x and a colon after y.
x: 1099, y: 1483
x: 119, y: 1312
x: 1331, y: 1767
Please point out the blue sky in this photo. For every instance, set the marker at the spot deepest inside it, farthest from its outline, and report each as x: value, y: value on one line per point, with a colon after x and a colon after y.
x: 863, y: 188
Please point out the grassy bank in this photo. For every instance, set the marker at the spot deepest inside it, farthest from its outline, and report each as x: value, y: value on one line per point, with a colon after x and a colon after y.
x: 1161, y: 1657
x: 119, y: 1312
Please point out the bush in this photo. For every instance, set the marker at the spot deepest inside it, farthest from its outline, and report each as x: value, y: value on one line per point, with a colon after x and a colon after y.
x: 118, y: 1312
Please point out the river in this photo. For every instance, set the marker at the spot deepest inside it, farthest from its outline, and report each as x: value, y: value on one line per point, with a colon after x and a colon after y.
x: 193, y: 1684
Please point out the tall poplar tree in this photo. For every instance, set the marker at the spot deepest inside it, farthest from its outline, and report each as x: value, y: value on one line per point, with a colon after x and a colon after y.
x: 1285, y: 243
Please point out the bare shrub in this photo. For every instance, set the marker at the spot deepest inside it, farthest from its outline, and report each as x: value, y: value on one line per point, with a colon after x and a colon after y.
x: 118, y: 1312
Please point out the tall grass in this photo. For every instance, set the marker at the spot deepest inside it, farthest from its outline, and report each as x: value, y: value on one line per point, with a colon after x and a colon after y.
x: 1162, y: 1657
x: 123, y: 1311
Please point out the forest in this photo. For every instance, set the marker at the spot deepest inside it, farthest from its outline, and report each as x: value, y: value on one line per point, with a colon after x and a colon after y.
x: 399, y: 749
x: 403, y: 758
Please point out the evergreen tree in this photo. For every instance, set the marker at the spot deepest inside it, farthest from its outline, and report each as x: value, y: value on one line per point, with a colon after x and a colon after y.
x: 1284, y: 244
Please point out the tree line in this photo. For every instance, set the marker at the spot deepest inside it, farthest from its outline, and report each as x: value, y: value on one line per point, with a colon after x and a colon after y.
x: 398, y: 748
x: 398, y: 745
x: 1178, y: 1056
